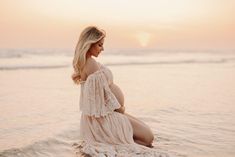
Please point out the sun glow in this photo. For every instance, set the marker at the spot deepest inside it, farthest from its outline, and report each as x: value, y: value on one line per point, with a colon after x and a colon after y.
x: 143, y: 38
x: 150, y: 23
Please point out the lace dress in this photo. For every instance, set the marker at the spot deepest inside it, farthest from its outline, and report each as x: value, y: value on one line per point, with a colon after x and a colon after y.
x: 103, y: 131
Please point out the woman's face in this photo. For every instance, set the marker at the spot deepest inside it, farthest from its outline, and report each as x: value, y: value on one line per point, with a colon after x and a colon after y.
x: 96, y: 48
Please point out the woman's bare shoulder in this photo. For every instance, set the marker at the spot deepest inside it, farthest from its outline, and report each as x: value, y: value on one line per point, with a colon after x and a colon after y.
x: 91, y: 66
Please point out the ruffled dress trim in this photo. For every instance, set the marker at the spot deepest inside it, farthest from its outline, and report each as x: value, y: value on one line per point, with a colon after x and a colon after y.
x: 123, y: 150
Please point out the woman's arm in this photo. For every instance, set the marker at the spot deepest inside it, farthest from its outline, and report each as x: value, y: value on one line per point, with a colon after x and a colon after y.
x: 121, y: 110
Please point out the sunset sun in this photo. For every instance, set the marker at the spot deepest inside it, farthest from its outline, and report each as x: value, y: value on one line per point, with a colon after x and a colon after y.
x: 143, y: 38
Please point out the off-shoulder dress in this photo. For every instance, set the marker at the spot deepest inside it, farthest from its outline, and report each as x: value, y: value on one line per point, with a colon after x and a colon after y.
x: 103, y: 131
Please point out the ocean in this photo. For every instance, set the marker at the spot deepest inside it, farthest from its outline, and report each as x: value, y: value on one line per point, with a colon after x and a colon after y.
x: 186, y: 97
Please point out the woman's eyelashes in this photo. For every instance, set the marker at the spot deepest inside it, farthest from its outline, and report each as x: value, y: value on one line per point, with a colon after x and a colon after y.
x: 100, y: 45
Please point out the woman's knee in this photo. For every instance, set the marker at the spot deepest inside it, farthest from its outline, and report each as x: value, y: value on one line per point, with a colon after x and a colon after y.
x: 141, y: 130
x: 148, y: 139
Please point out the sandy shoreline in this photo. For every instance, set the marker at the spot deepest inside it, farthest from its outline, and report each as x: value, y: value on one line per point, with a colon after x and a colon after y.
x: 180, y: 102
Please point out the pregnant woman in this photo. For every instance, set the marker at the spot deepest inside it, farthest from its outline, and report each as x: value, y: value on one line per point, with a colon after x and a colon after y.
x: 105, y: 128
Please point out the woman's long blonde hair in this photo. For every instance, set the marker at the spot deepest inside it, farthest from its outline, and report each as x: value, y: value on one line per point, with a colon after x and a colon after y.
x: 88, y: 36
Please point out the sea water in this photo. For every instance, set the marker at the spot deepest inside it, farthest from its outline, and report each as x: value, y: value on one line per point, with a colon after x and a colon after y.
x: 186, y: 97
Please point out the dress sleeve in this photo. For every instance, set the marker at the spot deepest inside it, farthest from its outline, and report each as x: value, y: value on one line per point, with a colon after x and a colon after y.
x: 96, y: 98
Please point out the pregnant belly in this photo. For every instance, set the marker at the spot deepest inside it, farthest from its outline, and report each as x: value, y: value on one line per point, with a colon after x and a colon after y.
x: 118, y: 93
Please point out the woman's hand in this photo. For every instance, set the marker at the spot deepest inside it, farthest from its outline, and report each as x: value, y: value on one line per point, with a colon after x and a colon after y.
x: 121, y: 109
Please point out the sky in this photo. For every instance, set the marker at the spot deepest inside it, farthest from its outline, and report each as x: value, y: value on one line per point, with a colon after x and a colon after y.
x: 160, y: 24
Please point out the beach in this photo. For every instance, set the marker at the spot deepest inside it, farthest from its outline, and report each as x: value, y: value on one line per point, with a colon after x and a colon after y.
x: 187, y: 99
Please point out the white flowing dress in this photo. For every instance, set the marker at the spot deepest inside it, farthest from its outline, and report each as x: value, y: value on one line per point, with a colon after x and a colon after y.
x: 103, y: 131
